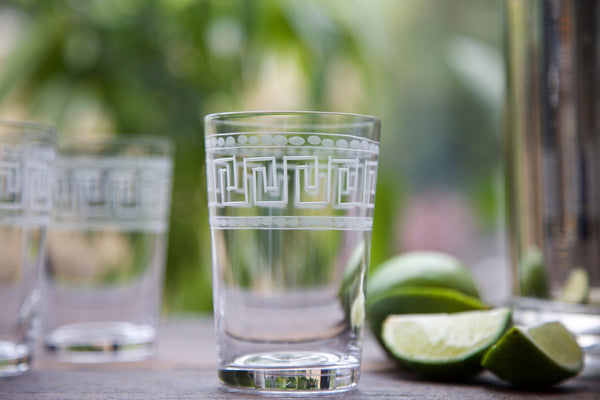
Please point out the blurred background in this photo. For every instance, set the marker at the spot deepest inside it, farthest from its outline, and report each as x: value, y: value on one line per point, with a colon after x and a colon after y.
x: 432, y: 70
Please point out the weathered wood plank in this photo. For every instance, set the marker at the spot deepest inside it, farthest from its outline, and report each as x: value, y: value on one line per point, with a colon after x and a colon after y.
x: 184, y: 367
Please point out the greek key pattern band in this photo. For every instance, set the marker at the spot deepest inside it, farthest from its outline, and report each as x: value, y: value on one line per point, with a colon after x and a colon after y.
x: 25, y: 179
x: 112, y: 189
x: 294, y: 185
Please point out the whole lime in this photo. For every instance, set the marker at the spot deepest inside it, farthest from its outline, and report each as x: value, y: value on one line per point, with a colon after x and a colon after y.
x: 424, y: 269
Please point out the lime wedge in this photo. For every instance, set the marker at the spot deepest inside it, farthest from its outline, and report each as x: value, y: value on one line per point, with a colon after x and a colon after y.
x: 422, y: 268
x: 537, y: 357
x: 576, y: 287
x: 417, y: 300
x: 444, y: 346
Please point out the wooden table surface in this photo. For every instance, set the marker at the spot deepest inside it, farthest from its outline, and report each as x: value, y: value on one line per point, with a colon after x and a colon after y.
x: 184, y: 367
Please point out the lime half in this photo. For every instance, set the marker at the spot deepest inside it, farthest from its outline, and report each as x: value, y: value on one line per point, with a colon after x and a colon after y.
x: 444, y: 346
x: 537, y: 357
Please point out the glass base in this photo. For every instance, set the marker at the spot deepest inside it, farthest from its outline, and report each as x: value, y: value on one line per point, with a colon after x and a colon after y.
x: 581, y: 319
x: 15, y: 358
x: 96, y: 342
x: 292, y: 372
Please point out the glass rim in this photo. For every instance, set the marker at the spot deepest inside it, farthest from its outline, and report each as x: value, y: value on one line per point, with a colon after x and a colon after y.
x: 232, y: 115
x: 29, y: 130
x: 162, y: 141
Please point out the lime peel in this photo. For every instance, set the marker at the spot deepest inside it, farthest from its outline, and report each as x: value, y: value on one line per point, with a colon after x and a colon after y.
x: 422, y: 268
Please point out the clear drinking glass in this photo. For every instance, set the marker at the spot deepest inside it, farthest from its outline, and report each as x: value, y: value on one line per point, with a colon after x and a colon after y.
x: 106, y: 241
x: 553, y: 143
x: 26, y: 156
x: 291, y: 198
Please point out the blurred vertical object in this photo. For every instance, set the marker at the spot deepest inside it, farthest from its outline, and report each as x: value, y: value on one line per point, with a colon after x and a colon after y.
x: 553, y: 149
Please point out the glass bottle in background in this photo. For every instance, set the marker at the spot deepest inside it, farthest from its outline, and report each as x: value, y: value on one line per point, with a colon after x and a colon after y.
x: 553, y: 150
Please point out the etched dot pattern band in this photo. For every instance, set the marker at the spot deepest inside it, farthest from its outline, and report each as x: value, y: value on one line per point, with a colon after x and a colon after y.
x: 313, y: 223
x: 328, y: 141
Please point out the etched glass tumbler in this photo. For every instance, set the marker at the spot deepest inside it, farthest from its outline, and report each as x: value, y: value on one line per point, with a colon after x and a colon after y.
x: 102, y: 280
x: 291, y: 198
x: 26, y: 156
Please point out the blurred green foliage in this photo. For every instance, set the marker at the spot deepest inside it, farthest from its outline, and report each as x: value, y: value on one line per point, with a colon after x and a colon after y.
x: 429, y: 69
